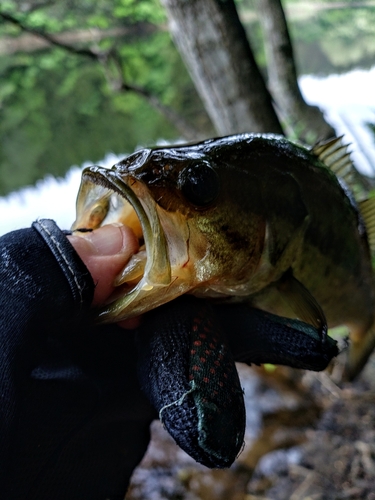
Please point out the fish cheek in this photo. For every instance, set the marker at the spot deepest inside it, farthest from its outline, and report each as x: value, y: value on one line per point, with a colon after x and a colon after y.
x: 235, y: 245
x: 170, y: 199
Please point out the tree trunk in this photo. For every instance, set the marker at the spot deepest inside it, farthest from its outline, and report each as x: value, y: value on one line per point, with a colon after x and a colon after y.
x: 306, y: 121
x: 213, y: 43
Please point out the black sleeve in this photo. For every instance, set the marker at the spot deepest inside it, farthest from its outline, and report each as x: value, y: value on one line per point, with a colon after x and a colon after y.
x: 73, y: 422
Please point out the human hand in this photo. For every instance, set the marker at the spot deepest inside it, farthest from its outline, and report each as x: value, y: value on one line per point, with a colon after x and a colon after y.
x: 105, y: 252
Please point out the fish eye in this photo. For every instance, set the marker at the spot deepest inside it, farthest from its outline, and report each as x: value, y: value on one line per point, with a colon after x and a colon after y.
x: 199, y: 183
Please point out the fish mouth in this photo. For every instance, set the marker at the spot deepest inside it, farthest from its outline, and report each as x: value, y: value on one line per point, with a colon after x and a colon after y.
x: 106, y: 197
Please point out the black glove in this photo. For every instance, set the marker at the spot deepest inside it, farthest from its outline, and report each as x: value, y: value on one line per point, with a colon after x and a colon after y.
x: 187, y: 350
x: 73, y: 421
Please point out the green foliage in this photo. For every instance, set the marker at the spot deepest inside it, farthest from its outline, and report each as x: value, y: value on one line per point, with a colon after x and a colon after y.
x: 324, y: 39
x: 150, y: 10
x: 77, y: 14
x: 343, y: 37
x: 58, y: 109
x: 47, y: 129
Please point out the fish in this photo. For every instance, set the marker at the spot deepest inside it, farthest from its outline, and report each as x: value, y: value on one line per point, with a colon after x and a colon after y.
x: 250, y: 218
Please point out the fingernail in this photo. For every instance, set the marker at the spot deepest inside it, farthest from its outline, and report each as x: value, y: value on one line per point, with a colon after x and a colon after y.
x: 108, y: 240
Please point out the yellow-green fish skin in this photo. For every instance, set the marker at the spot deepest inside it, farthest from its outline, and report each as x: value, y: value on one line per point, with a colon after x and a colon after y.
x: 269, y: 207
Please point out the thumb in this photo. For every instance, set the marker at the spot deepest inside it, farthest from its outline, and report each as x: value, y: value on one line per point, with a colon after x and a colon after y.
x: 105, y: 251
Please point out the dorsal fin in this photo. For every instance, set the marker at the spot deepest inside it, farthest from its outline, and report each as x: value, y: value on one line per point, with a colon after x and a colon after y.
x: 334, y: 154
x: 367, y: 209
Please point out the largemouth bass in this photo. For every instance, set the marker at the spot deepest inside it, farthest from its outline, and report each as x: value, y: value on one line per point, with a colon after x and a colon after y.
x: 251, y: 218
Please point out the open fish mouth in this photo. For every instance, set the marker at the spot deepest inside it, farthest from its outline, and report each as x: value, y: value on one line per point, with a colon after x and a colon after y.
x: 105, y: 197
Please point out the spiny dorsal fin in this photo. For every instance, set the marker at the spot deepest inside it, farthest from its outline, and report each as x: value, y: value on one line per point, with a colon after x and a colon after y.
x: 334, y: 154
x: 367, y: 209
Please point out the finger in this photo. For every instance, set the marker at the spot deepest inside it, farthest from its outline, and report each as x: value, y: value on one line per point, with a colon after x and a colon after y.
x: 105, y: 251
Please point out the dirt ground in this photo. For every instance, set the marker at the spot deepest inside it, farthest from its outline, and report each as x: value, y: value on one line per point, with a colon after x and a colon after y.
x: 307, y: 438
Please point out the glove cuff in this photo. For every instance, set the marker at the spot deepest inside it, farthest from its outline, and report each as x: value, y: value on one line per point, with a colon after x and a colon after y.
x: 79, y: 279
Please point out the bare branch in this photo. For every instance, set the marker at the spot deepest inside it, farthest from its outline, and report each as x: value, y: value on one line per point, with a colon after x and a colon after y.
x: 120, y: 84
x: 49, y: 38
x: 282, y: 74
x: 190, y: 133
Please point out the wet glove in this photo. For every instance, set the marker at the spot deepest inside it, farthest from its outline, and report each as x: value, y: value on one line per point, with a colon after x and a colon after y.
x: 187, y: 350
x: 73, y: 420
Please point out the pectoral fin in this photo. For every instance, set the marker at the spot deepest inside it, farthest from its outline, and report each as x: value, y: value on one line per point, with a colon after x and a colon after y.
x: 302, y: 302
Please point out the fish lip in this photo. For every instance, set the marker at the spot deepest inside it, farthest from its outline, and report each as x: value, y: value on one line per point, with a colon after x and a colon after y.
x: 157, y: 270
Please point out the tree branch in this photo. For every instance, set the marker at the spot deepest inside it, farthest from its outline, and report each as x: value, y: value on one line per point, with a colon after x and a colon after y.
x: 214, y: 46
x: 306, y: 120
x: 49, y: 38
x: 119, y: 84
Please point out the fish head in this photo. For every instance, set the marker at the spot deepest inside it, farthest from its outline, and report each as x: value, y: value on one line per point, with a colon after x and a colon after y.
x: 198, y: 231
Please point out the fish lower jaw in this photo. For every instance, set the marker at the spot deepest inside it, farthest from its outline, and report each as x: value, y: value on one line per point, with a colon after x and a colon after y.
x: 147, y: 291
x: 143, y: 297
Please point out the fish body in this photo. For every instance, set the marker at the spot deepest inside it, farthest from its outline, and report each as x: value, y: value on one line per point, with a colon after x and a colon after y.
x: 252, y: 218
